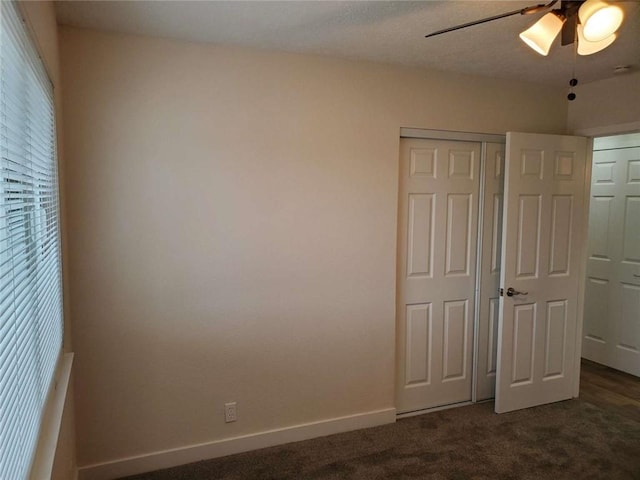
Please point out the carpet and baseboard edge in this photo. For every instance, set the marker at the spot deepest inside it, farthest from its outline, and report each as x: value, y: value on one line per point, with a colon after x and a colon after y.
x: 229, y: 446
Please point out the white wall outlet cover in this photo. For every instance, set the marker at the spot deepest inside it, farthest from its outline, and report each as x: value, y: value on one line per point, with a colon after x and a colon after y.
x: 230, y: 412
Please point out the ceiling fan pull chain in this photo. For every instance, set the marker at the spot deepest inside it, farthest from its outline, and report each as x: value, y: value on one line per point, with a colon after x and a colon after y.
x: 574, y: 81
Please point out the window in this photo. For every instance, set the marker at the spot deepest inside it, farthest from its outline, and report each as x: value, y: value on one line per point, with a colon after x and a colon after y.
x: 30, y: 263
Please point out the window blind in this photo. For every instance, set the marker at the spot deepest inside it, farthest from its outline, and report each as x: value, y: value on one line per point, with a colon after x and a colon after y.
x: 30, y: 264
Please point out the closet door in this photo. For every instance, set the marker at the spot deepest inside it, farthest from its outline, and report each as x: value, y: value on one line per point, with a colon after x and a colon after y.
x: 437, y: 239
x: 542, y: 245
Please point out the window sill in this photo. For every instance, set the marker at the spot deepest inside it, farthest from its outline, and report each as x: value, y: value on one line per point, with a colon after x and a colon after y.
x: 48, y: 440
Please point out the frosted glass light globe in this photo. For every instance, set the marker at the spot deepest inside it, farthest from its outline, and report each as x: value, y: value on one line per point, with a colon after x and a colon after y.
x: 599, y: 19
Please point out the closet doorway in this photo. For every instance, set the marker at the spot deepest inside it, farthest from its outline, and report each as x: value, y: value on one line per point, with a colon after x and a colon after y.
x: 438, y: 249
x: 612, y: 304
x: 458, y: 338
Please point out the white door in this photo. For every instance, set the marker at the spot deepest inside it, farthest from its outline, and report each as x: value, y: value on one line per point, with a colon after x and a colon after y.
x: 612, y: 300
x: 489, y: 298
x: 438, y: 208
x: 541, y: 261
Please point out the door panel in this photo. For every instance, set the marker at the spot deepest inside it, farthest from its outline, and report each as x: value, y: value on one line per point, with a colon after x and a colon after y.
x: 438, y: 209
x: 631, y: 227
x: 458, y: 234
x: 555, y: 341
x: 628, y: 331
x: 562, y: 208
x: 524, y: 328
x: 418, y: 344
x: 543, y: 208
x: 420, y: 253
x: 490, y: 272
x: 528, y: 234
x: 456, y: 323
x: 612, y: 305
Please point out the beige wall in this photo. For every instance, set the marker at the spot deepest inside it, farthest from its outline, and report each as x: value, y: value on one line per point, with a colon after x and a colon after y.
x: 232, y: 220
x: 607, y: 107
x: 41, y: 20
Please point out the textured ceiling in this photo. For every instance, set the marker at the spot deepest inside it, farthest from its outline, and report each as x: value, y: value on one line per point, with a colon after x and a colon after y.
x: 381, y: 31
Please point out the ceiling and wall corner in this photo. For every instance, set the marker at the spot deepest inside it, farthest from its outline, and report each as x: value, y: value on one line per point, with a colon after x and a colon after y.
x: 607, y: 106
x: 387, y: 32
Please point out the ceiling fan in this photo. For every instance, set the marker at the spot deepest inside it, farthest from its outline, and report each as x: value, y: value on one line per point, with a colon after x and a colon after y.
x: 592, y: 23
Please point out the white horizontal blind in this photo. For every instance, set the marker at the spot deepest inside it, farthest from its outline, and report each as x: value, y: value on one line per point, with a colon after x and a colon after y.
x: 30, y: 267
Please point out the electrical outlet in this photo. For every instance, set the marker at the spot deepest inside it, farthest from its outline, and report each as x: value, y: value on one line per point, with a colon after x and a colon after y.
x: 230, y: 412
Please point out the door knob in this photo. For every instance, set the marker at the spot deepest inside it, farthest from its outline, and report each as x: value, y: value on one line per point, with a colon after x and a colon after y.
x: 511, y: 292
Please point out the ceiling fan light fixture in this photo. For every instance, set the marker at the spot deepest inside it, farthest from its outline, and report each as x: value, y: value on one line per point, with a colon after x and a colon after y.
x: 540, y: 35
x: 585, y: 47
x: 599, y: 19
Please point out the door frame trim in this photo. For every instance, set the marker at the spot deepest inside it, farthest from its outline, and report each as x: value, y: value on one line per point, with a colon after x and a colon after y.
x: 452, y: 135
x: 607, y: 130
x: 582, y: 278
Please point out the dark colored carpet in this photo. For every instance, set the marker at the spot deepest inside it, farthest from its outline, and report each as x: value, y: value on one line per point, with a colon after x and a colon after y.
x: 567, y: 440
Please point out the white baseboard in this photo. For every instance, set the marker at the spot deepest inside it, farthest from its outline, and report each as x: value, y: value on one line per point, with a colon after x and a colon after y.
x: 220, y: 448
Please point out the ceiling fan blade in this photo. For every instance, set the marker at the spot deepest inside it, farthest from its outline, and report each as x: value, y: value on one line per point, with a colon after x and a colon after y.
x: 522, y: 11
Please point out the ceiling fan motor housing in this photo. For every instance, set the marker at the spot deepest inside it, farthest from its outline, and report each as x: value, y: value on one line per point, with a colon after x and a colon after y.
x: 569, y: 10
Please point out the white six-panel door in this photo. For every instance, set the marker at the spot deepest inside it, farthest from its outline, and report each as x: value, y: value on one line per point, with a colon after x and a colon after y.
x: 438, y: 209
x: 541, y: 257
x: 612, y: 306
